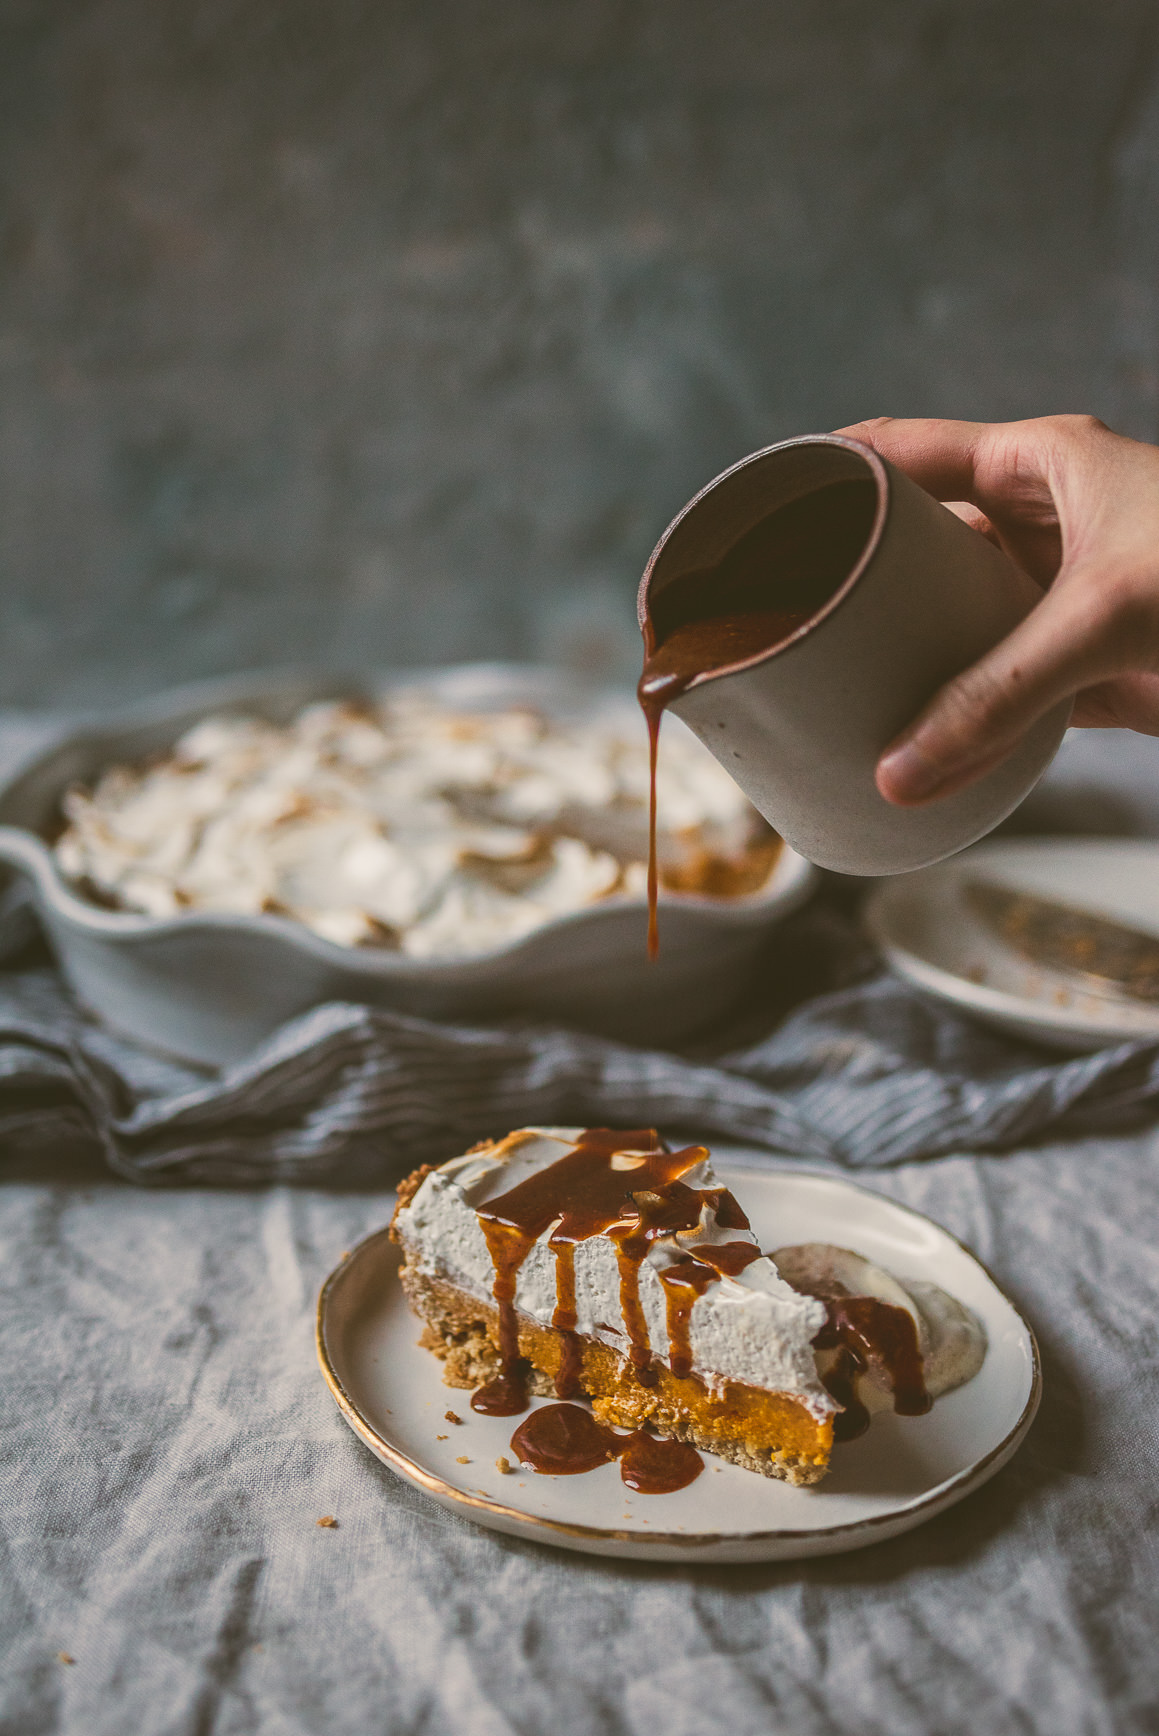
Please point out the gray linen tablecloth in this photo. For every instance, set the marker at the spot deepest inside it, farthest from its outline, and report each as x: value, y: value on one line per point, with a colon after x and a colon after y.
x: 167, y: 1445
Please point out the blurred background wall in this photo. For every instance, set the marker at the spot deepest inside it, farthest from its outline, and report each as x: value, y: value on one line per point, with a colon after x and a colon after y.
x: 394, y: 331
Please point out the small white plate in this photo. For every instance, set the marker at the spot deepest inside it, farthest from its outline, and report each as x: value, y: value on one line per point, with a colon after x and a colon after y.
x: 930, y: 936
x: 899, y: 1474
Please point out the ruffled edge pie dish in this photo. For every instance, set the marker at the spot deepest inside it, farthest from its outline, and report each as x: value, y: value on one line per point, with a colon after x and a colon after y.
x: 206, y: 987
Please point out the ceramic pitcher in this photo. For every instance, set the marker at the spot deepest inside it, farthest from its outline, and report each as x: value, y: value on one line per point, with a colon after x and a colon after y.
x: 801, y: 726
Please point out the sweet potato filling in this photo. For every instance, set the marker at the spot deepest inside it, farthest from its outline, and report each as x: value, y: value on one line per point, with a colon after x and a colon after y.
x: 769, y: 1432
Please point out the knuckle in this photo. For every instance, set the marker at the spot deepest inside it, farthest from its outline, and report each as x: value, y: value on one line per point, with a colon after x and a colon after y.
x: 987, y: 695
x: 980, y: 700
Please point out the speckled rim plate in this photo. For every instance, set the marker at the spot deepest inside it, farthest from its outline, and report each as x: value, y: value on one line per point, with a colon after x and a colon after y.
x: 903, y: 1472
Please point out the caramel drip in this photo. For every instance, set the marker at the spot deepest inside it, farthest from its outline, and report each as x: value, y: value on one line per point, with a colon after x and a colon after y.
x: 587, y: 1191
x: 670, y: 670
x: 729, y: 1215
x: 563, y: 1318
x: 625, y: 1185
x: 683, y: 1283
x: 568, y: 1376
x: 841, y: 1383
x: 686, y: 1280
x: 563, y: 1440
x: 653, y: 1466
x: 514, y: 1222
x: 869, y: 1334
x: 653, y: 708
x: 635, y: 1324
x: 506, y: 1395
x: 567, y: 1381
x: 764, y: 590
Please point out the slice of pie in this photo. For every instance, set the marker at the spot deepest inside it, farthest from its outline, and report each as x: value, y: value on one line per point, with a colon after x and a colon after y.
x: 599, y: 1263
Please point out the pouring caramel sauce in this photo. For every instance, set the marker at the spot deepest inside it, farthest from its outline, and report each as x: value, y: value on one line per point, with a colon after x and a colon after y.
x: 768, y: 586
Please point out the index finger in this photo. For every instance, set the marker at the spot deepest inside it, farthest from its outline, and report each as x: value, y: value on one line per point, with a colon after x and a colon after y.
x: 941, y: 457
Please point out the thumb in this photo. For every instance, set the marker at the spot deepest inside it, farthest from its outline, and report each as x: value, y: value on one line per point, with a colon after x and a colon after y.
x: 977, y: 719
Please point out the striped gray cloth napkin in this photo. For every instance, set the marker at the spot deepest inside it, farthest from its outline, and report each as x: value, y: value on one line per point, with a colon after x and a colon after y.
x: 831, y: 1058
x: 866, y: 1075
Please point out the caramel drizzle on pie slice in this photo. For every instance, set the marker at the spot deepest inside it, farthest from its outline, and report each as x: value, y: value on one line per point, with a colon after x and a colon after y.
x: 624, y: 1185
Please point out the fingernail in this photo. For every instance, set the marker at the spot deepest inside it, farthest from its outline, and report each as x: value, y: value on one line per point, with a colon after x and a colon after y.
x: 904, y: 774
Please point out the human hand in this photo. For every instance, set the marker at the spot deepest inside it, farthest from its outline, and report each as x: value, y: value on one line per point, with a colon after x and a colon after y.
x: 1077, y: 508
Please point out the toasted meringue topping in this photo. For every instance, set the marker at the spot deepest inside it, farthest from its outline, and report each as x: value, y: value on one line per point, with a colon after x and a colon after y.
x: 414, y: 826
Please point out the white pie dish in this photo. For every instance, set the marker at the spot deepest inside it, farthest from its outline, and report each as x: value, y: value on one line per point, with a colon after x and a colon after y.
x: 903, y: 1471
x: 207, y: 986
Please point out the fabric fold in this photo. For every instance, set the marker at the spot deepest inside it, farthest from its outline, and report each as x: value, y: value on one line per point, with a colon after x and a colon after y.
x: 866, y: 1076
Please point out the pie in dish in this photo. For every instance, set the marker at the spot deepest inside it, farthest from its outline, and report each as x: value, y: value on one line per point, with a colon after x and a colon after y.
x: 410, y: 826
x: 599, y: 1263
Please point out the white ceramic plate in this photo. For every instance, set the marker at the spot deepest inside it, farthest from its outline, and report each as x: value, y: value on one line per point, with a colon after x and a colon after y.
x: 930, y: 936
x: 899, y: 1474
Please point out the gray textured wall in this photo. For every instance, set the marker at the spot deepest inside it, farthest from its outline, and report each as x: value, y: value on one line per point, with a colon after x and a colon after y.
x: 395, y: 330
